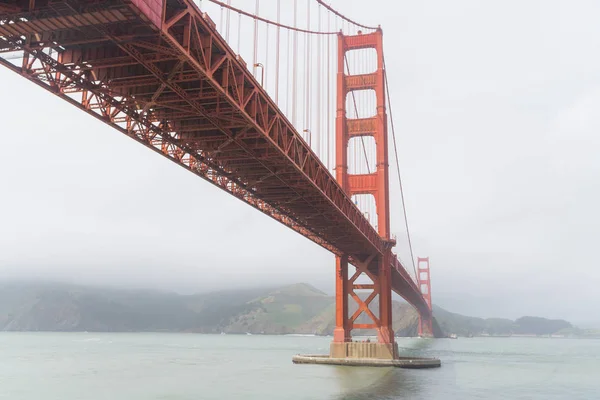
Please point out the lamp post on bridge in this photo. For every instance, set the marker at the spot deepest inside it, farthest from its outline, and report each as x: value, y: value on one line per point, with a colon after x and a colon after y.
x: 262, y: 75
x: 308, y: 135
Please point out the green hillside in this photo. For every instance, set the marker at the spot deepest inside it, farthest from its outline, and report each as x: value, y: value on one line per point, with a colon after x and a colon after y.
x: 465, y: 326
x: 298, y: 309
x: 285, y: 310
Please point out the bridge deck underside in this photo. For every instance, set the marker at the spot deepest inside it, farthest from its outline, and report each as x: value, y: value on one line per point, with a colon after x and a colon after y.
x: 174, y: 85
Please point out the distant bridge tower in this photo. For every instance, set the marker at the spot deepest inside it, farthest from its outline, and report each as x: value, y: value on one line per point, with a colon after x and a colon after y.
x: 424, y: 280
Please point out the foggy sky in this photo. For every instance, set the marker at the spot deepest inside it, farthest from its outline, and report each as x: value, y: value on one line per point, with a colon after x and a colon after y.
x: 498, y: 109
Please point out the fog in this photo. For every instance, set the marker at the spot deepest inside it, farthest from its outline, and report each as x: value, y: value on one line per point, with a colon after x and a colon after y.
x: 497, y: 106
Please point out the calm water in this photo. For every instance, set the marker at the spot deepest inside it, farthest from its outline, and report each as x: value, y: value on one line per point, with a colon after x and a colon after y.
x: 63, y: 366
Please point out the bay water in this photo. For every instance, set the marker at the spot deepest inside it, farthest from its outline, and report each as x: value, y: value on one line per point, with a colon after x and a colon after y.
x: 168, y: 366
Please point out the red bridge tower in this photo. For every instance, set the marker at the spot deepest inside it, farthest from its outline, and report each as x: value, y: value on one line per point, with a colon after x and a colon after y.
x: 376, y: 266
x: 424, y: 280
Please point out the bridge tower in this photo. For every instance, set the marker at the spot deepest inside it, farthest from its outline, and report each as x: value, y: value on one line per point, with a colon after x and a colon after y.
x: 424, y: 280
x: 376, y: 184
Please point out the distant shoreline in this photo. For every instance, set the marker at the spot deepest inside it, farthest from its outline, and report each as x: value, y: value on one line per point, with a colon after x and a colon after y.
x: 298, y: 309
x: 582, y: 337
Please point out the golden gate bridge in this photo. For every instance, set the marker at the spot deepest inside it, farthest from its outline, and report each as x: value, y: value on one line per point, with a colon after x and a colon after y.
x: 282, y: 103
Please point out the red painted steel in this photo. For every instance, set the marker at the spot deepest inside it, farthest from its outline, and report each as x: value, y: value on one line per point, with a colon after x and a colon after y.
x: 379, y: 266
x: 150, y: 9
x: 341, y: 333
x: 160, y: 73
x: 424, y: 279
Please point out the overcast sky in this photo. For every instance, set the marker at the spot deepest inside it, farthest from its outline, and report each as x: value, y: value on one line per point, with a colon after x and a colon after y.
x: 497, y: 105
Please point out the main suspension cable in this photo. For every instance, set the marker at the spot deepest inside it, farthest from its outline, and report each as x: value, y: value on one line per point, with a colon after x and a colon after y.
x: 387, y: 90
x: 268, y: 21
x: 321, y: 2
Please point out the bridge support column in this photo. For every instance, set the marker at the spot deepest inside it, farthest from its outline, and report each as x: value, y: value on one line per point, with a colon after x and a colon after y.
x: 341, y: 333
x: 425, y: 326
x: 385, y: 332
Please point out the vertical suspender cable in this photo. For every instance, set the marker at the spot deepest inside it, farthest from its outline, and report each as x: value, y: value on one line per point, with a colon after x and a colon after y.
x: 304, y: 102
x: 255, y: 55
x: 329, y: 81
x: 287, y: 76
x: 295, y: 64
x: 222, y: 27
x: 277, y: 51
x: 228, y: 21
x: 239, y: 33
x: 319, y: 89
x: 266, y: 66
x: 308, y: 76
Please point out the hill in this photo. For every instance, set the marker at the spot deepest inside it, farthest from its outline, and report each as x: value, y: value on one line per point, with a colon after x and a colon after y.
x: 466, y: 326
x: 298, y: 308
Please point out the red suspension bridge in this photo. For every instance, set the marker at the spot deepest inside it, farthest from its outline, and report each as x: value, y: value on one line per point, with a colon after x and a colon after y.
x: 267, y: 103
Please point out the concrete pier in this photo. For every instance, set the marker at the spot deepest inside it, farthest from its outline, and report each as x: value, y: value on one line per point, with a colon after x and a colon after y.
x: 364, y: 350
x: 361, y: 354
x: 400, y: 362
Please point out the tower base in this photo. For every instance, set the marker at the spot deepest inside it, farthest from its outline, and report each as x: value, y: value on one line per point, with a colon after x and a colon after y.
x: 363, y: 350
x: 363, y: 354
